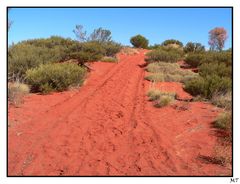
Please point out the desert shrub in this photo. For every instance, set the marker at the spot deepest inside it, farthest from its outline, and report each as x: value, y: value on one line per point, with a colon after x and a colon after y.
x: 155, y: 77
x: 224, y: 121
x: 172, y: 42
x: 162, y: 67
x: 163, y: 101
x: 31, y: 53
x: 129, y: 51
x: 209, y: 85
x: 172, y: 78
x: 155, y: 46
x: 111, y: 48
x: 194, y: 59
x: 222, y: 100
x: 55, y: 77
x: 109, y: 59
x: 16, y: 92
x: 139, y: 41
x: 186, y: 78
x: 161, y: 98
x: 220, y: 69
x: 160, y: 55
x: 168, y: 72
x: 191, y: 47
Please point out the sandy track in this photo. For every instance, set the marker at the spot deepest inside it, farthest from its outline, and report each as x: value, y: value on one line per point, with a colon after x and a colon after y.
x: 109, y: 128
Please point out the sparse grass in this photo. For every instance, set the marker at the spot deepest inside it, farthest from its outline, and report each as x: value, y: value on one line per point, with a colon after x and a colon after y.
x: 224, y: 121
x: 16, y: 92
x: 109, y: 59
x: 129, y: 51
x: 168, y: 72
x: 161, y: 98
x: 156, y: 77
x: 164, y: 101
x: 222, y: 100
x: 162, y: 67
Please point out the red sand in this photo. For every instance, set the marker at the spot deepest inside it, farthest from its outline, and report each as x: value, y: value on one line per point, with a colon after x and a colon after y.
x: 108, y: 127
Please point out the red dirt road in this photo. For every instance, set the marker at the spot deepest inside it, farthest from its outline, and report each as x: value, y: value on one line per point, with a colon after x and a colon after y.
x: 108, y: 127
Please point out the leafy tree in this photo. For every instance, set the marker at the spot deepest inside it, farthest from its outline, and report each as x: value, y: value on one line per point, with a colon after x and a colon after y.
x: 217, y: 38
x: 194, y: 47
x: 139, y: 41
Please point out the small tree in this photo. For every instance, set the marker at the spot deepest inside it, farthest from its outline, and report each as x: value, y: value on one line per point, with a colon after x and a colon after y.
x: 139, y: 41
x: 217, y: 38
x: 194, y: 47
x: 101, y: 35
x: 80, y: 34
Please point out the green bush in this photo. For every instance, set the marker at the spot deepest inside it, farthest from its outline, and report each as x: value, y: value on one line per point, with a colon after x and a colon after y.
x: 111, y: 48
x: 172, y: 42
x: 209, y: 85
x: 55, y: 77
x: 219, y: 69
x: 31, y: 53
x: 139, y: 41
x: 194, y: 59
x: 160, y: 55
x: 191, y: 47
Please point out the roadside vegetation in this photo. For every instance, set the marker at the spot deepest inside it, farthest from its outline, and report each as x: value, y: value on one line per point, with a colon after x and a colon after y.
x: 160, y: 98
x: 212, y: 83
x: 40, y: 63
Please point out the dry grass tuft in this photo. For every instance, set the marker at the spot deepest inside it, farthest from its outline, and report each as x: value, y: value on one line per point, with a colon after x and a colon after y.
x: 129, y: 51
x: 161, y: 98
x: 16, y: 92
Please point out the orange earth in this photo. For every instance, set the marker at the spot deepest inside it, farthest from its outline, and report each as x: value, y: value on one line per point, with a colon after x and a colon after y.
x: 108, y: 127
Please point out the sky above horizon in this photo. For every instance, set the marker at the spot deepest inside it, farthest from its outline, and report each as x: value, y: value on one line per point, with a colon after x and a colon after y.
x: 156, y: 24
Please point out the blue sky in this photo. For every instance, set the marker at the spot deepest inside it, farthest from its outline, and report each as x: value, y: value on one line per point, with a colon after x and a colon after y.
x: 156, y: 24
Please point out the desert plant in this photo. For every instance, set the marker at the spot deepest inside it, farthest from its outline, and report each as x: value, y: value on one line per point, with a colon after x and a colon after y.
x: 155, y: 77
x: 160, y: 55
x: 168, y: 72
x: 109, y: 59
x: 16, y: 92
x: 224, y: 121
x: 191, y: 47
x: 139, y: 41
x: 55, y: 77
x: 129, y: 51
x: 223, y: 100
x: 111, y: 48
x: 172, y: 42
x: 209, y: 85
x: 194, y: 59
x: 163, y: 101
x: 161, y: 98
x: 219, y: 69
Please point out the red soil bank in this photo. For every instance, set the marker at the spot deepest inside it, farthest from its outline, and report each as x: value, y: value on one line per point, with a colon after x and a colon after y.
x: 108, y: 127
